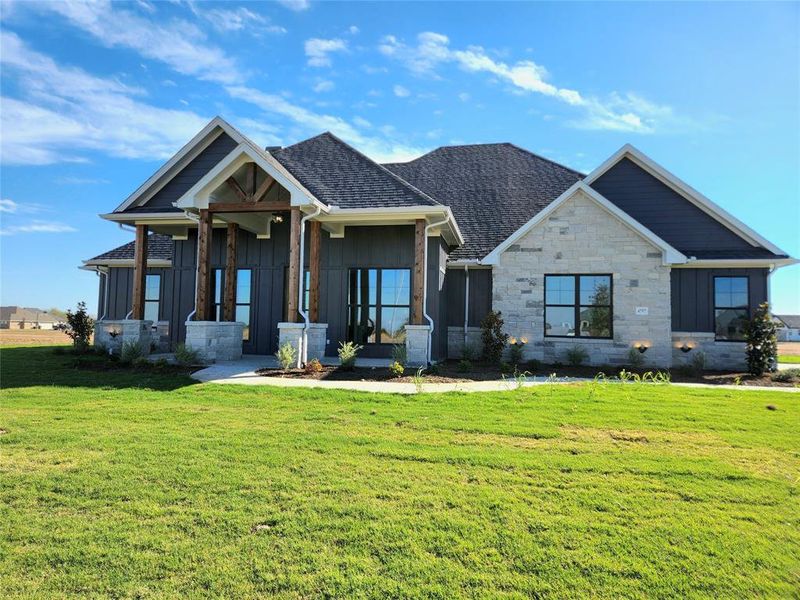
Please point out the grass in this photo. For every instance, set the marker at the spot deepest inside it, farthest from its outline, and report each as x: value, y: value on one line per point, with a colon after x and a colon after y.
x: 148, y: 485
x: 789, y: 359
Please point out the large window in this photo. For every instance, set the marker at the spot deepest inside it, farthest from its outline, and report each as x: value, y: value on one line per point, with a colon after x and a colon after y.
x: 242, y: 314
x: 577, y: 306
x: 378, y: 305
x: 731, y: 308
x: 152, y: 296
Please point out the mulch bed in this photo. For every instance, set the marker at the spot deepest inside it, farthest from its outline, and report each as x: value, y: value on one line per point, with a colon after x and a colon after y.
x: 448, y: 372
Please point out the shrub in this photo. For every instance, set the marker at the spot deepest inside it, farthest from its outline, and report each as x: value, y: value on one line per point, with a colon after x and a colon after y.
x: 433, y: 369
x: 698, y: 363
x: 786, y: 376
x: 186, y: 356
x: 141, y: 361
x: 469, y: 352
x: 762, y: 344
x: 396, y: 369
x: 577, y: 355
x: 399, y: 354
x: 80, y: 327
x: 348, y: 351
x: 313, y: 366
x: 534, y: 365
x: 464, y: 366
x: 516, y: 350
x: 635, y: 358
x: 130, y: 352
x: 287, y: 356
x: 492, y: 336
x: 506, y: 368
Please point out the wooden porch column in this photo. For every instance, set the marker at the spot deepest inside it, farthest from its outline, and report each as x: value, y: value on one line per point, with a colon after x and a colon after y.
x: 418, y: 279
x: 202, y: 304
x: 294, y: 265
x: 313, y: 271
x: 139, y: 271
x: 229, y: 301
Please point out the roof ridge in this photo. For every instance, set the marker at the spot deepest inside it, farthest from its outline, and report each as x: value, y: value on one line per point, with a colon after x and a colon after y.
x: 544, y: 158
x: 394, y: 176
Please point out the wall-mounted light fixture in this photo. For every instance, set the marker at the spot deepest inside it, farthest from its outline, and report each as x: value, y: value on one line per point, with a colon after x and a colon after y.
x: 686, y: 348
x: 642, y: 348
x: 276, y: 218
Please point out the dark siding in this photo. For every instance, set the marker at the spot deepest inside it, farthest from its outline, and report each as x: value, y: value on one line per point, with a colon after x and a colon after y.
x: 436, y: 306
x: 665, y: 212
x: 193, y: 172
x: 693, y: 295
x: 480, y: 296
x: 120, y: 290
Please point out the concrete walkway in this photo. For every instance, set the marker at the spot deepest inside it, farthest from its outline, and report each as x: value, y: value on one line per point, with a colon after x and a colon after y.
x: 243, y: 372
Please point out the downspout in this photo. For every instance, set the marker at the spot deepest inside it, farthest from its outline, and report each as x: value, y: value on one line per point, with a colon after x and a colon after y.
x: 425, y: 284
x: 105, y: 276
x: 196, y: 258
x: 302, y: 355
x: 466, y: 303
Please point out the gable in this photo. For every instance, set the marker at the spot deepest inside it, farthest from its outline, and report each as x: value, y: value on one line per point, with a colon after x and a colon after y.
x: 670, y: 215
x: 190, y: 174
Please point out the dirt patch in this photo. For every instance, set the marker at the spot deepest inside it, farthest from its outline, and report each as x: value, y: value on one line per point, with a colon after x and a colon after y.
x: 357, y: 374
x: 33, y: 337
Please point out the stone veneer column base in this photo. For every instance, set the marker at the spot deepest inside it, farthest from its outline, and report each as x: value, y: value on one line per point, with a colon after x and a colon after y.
x: 317, y: 340
x: 215, y: 340
x: 719, y: 356
x: 113, y: 335
x: 291, y: 333
x: 417, y: 345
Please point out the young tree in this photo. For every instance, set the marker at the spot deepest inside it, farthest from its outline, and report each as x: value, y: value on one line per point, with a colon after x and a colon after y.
x: 762, y: 343
x: 80, y: 328
x: 493, y: 338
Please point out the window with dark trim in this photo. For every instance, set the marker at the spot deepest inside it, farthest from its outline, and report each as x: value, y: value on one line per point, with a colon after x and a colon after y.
x: 578, y: 306
x: 152, y: 297
x: 242, y: 311
x: 378, y: 305
x: 731, y: 308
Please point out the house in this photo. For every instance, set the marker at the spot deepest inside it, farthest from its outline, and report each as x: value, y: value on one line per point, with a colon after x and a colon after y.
x: 239, y: 249
x: 17, y: 317
x: 788, y: 328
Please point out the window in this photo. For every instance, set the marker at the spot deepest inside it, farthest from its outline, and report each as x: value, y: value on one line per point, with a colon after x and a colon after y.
x: 242, y: 311
x: 378, y: 305
x: 152, y: 295
x: 577, y: 305
x: 731, y: 308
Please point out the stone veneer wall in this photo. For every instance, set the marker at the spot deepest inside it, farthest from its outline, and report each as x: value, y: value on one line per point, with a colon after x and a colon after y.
x: 455, y: 341
x: 719, y: 356
x: 580, y: 237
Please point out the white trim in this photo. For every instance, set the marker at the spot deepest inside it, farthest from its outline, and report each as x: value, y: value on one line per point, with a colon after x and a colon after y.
x: 669, y: 254
x: 126, y: 262
x: 197, y: 196
x: 170, y: 218
x: 685, y: 190
x: 738, y: 263
x: 393, y: 215
x: 185, y: 155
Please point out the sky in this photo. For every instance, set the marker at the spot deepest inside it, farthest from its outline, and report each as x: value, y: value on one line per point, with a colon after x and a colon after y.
x: 97, y: 96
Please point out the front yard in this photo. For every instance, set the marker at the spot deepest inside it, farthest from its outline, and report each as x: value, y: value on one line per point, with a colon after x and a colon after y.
x: 145, y: 484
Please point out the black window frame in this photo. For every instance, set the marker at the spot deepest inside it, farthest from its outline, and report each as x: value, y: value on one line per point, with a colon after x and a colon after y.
x: 577, y: 306
x: 217, y: 304
x: 379, y: 305
x: 714, y: 306
x: 157, y: 299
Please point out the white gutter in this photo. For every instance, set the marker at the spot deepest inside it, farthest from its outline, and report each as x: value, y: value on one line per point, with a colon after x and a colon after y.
x: 425, y: 283
x: 105, y: 276
x: 302, y: 355
x: 196, y: 265
x: 466, y: 303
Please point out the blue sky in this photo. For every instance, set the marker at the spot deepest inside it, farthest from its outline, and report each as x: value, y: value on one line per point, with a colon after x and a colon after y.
x: 95, y: 97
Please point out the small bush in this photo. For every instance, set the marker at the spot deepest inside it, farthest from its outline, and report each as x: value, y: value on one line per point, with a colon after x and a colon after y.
x: 287, y: 356
x: 400, y: 354
x: 348, y: 352
x: 186, y: 356
x: 469, y: 352
x: 130, y: 352
x: 396, y: 369
x: 464, y: 366
x: 313, y: 366
x: 506, y: 368
x: 80, y: 327
x: 534, y: 365
x: 787, y: 376
x: 161, y: 364
x: 492, y: 336
x: 698, y: 363
x: 141, y: 362
x: 762, y: 343
x: 577, y: 355
x: 433, y: 369
x: 635, y: 358
x: 516, y: 351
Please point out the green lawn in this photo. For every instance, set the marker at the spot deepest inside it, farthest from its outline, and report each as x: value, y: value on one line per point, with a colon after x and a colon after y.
x: 146, y: 485
x: 789, y: 358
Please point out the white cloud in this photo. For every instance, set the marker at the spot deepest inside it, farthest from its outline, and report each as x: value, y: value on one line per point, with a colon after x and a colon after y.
x: 238, y: 19
x: 618, y: 112
x: 38, y: 227
x: 401, y: 92
x: 323, y: 86
x: 80, y: 181
x: 353, y: 30
x: 8, y: 206
x: 64, y: 110
x: 362, y: 122
x: 179, y: 44
x: 297, y: 5
x: 318, y: 51
x: 464, y: 96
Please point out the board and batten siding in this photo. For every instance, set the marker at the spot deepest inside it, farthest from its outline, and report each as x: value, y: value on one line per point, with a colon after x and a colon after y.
x: 665, y: 212
x: 480, y: 296
x: 692, y: 292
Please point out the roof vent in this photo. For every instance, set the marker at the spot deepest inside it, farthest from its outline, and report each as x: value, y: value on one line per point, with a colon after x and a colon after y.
x: 272, y: 148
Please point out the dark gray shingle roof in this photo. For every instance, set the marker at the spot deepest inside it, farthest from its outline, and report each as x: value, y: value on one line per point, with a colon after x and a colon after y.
x: 159, y: 247
x: 339, y: 175
x: 792, y: 321
x: 493, y: 189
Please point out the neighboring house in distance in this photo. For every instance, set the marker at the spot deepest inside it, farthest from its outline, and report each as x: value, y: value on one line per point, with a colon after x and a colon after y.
x: 788, y: 328
x: 17, y: 317
x: 240, y: 249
